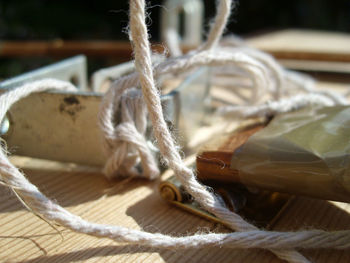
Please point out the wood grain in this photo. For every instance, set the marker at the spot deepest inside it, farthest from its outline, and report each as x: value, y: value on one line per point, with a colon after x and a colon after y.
x: 283, y: 44
x: 213, y: 163
x: 304, y: 45
x: 135, y: 204
x: 64, y: 48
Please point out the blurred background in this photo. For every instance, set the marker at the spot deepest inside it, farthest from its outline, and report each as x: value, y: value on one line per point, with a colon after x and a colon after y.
x: 107, y: 20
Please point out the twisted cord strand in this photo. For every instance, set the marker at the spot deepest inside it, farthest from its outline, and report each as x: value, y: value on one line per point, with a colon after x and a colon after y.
x: 126, y: 145
x: 218, y: 26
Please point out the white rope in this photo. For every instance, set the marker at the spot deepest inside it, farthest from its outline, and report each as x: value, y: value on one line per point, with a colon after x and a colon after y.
x: 126, y: 140
x: 126, y: 145
x: 217, y: 28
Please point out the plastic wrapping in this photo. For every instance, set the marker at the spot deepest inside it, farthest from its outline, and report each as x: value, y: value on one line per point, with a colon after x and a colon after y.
x: 304, y: 152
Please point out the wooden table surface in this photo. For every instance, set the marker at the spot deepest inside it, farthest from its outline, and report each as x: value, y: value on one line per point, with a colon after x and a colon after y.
x: 136, y: 204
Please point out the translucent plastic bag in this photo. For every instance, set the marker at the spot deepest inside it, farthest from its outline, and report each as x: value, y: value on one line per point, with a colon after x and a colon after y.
x: 304, y: 152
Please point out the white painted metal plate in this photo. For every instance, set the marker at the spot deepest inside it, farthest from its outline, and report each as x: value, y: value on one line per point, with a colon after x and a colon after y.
x: 64, y: 126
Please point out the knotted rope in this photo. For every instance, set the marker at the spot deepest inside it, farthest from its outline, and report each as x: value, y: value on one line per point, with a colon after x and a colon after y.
x: 125, y: 143
x: 127, y: 148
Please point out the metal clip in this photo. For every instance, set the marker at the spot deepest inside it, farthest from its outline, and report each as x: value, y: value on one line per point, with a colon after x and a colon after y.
x: 262, y: 208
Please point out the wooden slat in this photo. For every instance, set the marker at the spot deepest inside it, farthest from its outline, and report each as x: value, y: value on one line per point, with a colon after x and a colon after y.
x: 135, y: 204
x: 214, y: 160
x: 305, y: 45
x: 283, y: 44
x: 63, y: 48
